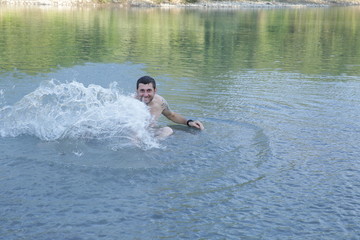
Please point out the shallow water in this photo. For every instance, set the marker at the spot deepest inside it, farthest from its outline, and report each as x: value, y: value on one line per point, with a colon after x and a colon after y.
x: 277, y: 91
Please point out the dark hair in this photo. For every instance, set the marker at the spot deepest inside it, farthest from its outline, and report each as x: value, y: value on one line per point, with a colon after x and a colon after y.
x: 145, y: 80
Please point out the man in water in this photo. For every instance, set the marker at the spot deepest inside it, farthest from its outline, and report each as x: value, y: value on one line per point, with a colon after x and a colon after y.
x: 146, y: 92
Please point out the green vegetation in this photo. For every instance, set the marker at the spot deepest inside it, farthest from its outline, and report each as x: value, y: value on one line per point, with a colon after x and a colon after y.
x: 180, y: 2
x: 34, y: 41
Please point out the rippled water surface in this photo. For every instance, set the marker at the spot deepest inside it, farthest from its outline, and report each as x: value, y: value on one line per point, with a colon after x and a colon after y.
x: 278, y: 92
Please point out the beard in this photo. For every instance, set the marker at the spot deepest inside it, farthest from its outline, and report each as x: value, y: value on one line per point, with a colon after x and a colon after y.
x: 146, y: 100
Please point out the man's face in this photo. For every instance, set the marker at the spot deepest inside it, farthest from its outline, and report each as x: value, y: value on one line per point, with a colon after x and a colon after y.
x: 146, y: 92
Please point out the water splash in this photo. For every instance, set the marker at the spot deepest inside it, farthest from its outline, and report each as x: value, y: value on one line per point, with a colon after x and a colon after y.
x: 71, y: 110
x: 2, y: 100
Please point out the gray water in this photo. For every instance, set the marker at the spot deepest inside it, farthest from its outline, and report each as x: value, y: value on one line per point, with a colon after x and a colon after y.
x: 278, y: 92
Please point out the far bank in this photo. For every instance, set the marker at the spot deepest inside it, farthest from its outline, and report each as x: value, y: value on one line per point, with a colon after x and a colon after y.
x: 184, y: 3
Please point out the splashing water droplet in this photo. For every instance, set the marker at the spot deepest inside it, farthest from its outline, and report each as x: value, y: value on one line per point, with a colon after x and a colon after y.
x: 71, y: 110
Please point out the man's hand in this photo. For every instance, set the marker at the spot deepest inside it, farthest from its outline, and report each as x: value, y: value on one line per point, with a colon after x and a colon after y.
x: 196, y: 124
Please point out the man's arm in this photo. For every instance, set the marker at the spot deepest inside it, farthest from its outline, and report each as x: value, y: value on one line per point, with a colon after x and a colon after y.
x: 173, y: 116
x: 177, y: 118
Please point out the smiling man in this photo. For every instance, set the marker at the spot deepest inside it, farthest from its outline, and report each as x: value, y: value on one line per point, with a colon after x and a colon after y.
x: 146, y: 92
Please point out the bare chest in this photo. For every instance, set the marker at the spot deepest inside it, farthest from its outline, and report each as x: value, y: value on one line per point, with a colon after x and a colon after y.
x: 156, y: 109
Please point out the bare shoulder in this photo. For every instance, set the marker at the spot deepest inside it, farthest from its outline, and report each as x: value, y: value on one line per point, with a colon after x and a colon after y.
x: 161, y: 102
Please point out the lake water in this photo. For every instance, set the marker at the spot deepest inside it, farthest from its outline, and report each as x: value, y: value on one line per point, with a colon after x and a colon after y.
x: 278, y: 91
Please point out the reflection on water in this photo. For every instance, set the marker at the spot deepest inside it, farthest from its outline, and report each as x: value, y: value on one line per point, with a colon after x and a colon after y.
x: 277, y: 91
x: 203, y: 42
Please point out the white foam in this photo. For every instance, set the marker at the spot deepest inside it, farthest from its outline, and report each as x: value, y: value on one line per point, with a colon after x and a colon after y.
x: 71, y: 110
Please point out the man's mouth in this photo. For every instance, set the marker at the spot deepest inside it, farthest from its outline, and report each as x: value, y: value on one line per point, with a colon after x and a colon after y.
x: 144, y: 99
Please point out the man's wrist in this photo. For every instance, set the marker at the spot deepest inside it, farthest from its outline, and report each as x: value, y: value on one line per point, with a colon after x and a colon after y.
x: 189, y: 121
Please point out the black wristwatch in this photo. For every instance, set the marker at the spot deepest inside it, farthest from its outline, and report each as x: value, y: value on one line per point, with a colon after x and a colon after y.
x: 189, y: 121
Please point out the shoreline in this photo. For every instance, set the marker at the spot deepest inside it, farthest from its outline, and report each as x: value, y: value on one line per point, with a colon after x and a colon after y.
x: 179, y: 4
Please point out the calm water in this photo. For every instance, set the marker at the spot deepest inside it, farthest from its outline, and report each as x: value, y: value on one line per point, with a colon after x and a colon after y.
x: 278, y: 91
